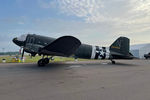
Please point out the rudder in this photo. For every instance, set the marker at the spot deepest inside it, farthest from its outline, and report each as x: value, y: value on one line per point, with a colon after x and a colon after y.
x: 121, y: 45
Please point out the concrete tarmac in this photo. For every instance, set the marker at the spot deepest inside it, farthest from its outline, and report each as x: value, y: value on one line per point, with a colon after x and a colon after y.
x: 83, y: 80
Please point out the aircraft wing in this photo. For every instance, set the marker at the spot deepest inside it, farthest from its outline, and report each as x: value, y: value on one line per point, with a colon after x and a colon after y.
x: 63, y: 46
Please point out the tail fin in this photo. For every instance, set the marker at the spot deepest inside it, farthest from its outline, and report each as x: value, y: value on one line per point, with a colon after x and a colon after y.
x: 121, y: 45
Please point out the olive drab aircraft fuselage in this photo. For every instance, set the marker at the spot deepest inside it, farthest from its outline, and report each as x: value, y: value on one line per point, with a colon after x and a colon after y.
x: 67, y: 46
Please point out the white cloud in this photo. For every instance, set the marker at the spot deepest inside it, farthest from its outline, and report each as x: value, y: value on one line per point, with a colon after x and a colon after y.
x: 93, y: 11
x: 107, y: 17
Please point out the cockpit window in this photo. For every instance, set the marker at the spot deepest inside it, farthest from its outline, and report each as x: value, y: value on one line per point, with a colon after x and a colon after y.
x: 22, y: 37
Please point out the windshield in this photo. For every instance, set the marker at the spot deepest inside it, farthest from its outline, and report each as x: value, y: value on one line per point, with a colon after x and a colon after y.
x: 22, y: 37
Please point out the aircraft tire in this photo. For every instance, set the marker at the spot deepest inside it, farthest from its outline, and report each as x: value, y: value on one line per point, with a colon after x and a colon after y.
x: 46, y: 60
x: 146, y: 58
x: 41, y: 63
x: 113, y: 62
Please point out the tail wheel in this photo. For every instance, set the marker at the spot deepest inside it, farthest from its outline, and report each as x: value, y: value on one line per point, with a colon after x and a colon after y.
x: 113, y: 62
x: 146, y: 57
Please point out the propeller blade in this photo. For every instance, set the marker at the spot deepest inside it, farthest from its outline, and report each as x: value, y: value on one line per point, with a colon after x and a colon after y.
x: 22, y: 54
x: 20, y: 51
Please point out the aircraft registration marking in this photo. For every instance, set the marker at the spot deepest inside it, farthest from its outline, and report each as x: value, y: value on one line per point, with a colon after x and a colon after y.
x: 115, y: 47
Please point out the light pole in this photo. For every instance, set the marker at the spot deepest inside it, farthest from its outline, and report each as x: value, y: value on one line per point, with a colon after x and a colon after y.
x: 3, y: 60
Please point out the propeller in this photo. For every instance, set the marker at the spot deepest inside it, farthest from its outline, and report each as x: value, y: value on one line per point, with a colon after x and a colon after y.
x: 22, y: 55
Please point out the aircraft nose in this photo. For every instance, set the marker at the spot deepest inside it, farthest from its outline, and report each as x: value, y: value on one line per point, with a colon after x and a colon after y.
x: 15, y: 40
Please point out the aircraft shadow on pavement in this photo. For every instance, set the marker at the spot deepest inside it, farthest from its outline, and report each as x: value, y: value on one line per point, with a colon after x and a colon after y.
x: 56, y: 66
x: 123, y: 64
x: 100, y: 64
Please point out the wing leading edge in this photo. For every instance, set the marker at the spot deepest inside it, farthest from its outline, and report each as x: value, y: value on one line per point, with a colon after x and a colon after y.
x: 63, y: 46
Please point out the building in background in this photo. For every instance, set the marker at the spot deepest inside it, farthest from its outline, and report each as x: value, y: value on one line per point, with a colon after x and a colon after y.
x: 140, y: 49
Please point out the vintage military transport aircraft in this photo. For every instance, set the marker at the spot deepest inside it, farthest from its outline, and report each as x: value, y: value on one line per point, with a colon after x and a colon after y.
x: 67, y: 46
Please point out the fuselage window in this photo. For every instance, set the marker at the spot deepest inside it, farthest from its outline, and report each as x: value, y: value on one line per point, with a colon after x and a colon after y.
x: 31, y: 40
x: 28, y: 40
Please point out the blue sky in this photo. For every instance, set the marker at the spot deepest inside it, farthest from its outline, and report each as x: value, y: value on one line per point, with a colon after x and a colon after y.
x: 96, y: 22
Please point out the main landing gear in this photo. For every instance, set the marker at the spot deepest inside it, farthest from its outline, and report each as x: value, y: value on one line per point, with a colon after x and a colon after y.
x: 44, y: 61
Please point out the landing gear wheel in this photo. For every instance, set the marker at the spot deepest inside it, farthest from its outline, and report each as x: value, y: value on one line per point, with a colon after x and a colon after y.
x: 113, y: 62
x: 41, y: 63
x: 46, y: 60
x: 146, y: 58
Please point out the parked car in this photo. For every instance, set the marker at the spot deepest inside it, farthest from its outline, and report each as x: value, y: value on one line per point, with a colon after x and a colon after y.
x: 147, y: 55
